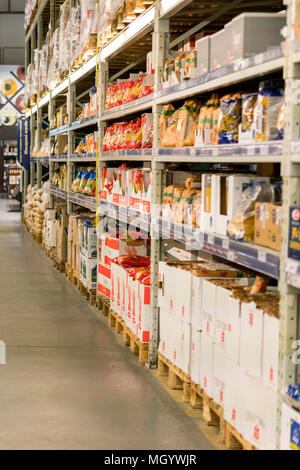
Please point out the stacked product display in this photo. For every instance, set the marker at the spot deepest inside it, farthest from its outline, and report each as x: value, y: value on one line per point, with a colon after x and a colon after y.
x: 37, y: 202
x: 225, y: 325
x: 177, y: 160
x: 85, y: 182
x: 230, y: 119
x: 129, y: 135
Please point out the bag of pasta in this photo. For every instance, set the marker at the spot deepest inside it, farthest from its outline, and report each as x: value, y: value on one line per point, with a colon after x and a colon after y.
x: 241, y: 228
x: 90, y: 188
x: 230, y: 118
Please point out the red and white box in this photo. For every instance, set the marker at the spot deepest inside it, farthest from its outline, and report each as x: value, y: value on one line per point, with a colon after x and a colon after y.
x: 120, y: 197
x: 251, y: 338
x: 207, y: 364
x: 209, y: 308
x: 260, y: 417
x: 106, y: 188
x: 150, y: 65
x: 195, y: 358
x: 219, y: 375
x: 270, y: 351
x: 144, y: 312
x: 114, y: 247
x: 104, y: 280
x: 147, y: 191
x: 135, y: 188
x: 234, y: 396
x: 233, y: 329
x: 115, y: 295
x: 164, y: 333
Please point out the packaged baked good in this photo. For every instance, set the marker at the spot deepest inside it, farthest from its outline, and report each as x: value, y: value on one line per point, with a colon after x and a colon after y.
x: 164, y: 120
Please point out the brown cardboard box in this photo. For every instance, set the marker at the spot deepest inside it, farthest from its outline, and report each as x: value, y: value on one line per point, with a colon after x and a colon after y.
x: 268, y: 225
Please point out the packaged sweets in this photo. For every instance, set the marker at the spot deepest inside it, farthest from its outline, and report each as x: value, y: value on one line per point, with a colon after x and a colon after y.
x: 230, y: 118
x: 169, y: 137
x: 267, y: 110
x: 280, y: 121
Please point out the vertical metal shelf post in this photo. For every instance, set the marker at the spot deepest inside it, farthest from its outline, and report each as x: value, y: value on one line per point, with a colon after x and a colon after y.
x: 160, y: 49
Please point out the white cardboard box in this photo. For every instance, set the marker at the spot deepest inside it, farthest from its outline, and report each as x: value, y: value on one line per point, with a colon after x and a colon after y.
x: 195, y: 360
x: 270, y: 350
x: 164, y: 333
x: 260, y: 414
x: 207, y: 362
x: 209, y: 307
x: 233, y: 329
x: 219, y: 374
x: 251, y: 339
x: 104, y: 280
x: 144, y: 312
x: 234, y: 397
x: 290, y: 428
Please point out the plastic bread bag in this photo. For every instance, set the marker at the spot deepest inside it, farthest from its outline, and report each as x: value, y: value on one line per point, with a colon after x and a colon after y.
x: 230, y: 118
x: 185, y: 132
x: 164, y: 120
x: 241, y: 227
x: 267, y: 110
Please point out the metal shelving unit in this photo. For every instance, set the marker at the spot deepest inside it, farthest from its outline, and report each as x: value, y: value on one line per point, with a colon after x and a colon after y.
x: 160, y: 19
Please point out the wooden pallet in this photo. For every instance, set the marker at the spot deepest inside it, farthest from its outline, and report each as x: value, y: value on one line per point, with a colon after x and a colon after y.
x: 177, y: 379
x: 69, y: 273
x: 115, y: 321
x: 103, y: 304
x: 136, y: 346
x: 234, y: 440
x: 212, y: 412
x: 59, y: 265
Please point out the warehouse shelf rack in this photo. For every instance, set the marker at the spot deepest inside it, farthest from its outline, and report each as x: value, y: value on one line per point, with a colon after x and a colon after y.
x: 162, y: 19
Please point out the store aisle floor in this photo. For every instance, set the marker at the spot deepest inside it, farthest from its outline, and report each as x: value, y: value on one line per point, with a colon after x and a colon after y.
x: 59, y: 389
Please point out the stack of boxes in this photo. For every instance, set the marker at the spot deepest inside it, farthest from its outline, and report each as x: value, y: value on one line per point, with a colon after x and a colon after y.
x: 112, y: 246
x: 88, y: 252
x: 77, y: 242
x: 61, y: 233
x: 49, y: 231
x: 228, y: 346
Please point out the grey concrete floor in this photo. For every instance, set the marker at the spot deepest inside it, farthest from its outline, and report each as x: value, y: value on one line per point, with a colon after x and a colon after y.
x: 59, y: 389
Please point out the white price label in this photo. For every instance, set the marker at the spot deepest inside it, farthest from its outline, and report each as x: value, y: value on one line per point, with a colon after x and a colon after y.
x: 291, y: 267
x: 250, y: 150
x: 211, y: 240
x: 225, y: 244
x: 231, y: 255
x: 262, y: 256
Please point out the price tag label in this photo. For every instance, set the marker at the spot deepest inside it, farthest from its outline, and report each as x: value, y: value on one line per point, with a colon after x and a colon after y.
x: 291, y: 267
x: 225, y: 244
x: 211, y: 240
x: 231, y: 255
x: 262, y: 256
x: 250, y: 150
